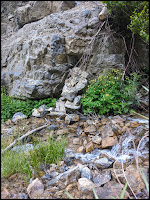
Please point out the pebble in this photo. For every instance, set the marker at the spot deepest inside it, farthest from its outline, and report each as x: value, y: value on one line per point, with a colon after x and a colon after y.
x: 109, y: 141
x: 86, y: 173
x: 76, y: 141
x: 97, y: 139
x: 53, y: 127
x: 35, y: 189
x: 103, y: 163
x: 89, y: 147
x: 47, y: 176
x: 85, y: 185
x: 102, y: 178
x: 81, y: 149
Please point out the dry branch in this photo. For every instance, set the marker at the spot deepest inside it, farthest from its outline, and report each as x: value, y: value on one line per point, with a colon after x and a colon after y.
x: 22, y: 137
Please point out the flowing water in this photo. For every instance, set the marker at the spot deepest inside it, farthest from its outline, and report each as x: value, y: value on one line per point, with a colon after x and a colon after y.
x: 123, y: 151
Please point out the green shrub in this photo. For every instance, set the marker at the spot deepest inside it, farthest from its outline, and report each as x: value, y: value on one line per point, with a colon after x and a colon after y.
x: 9, y: 105
x: 133, y: 15
x: 105, y: 96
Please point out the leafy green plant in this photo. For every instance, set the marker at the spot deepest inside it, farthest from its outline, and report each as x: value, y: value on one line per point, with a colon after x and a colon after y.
x: 9, y: 105
x: 105, y: 96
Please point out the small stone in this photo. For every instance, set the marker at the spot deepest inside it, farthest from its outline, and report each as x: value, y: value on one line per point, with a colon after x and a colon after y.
x: 90, y: 129
x: 35, y: 189
x: 60, y: 106
x: 76, y: 100
x: 107, y: 131
x: 50, y: 109
x: 17, y: 116
x: 52, y: 189
x: 35, y: 113
x: 47, y: 176
x: 53, y: 127
x: 52, y: 182
x: 4, y: 193
x: 103, y: 163
x: 101, y: 178
x: 85, y: 185
x: 104, y: 121
x: 81, y: 149
x: 97, y: 139
x: 68, y: 161
x: 71, y: 118
x: 71, y: 105
x: 76, y: 141
x: 117, y: 119
x: 89, y: 147
x: 53, y: 167
x: 62, y: 132
x: 109, y: 141
x: 86, y: 173
x: 71, y: 186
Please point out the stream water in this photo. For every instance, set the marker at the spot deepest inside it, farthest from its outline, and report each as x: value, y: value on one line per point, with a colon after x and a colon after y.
x: 123, y: 151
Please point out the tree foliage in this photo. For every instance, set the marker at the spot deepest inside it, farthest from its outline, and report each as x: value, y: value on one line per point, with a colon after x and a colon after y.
x: 131, y: 15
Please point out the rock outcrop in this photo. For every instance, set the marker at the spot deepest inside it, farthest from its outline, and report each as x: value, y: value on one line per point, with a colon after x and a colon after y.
x: 36, y: 59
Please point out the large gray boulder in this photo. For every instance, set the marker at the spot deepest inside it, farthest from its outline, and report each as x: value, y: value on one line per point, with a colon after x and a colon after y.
x: 36, y: 59
x: 36, y: 10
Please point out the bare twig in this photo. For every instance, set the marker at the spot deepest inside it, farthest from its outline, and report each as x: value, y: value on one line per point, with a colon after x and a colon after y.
x: 122, y: 80
x: 127, y: 179
x: 85, y: 57
x: 118, y: 179
x: 22, y: 137
x: 146, y: 135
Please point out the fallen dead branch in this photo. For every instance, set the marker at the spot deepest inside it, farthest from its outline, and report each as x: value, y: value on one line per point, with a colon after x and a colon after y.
x: 23, y: 136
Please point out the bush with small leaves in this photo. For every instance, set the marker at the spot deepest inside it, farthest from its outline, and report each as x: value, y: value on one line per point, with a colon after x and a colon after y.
x: 106, y: 95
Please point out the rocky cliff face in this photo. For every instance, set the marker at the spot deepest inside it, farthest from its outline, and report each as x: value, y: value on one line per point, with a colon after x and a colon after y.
x: 47, y: 41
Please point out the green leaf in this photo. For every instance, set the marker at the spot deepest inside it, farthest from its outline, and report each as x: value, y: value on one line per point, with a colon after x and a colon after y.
x: 71, y: 197
x: 145, y: 180
x: 123, y: 191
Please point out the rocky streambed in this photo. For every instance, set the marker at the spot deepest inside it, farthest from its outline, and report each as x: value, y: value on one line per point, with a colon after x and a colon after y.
x: 100, y: 151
